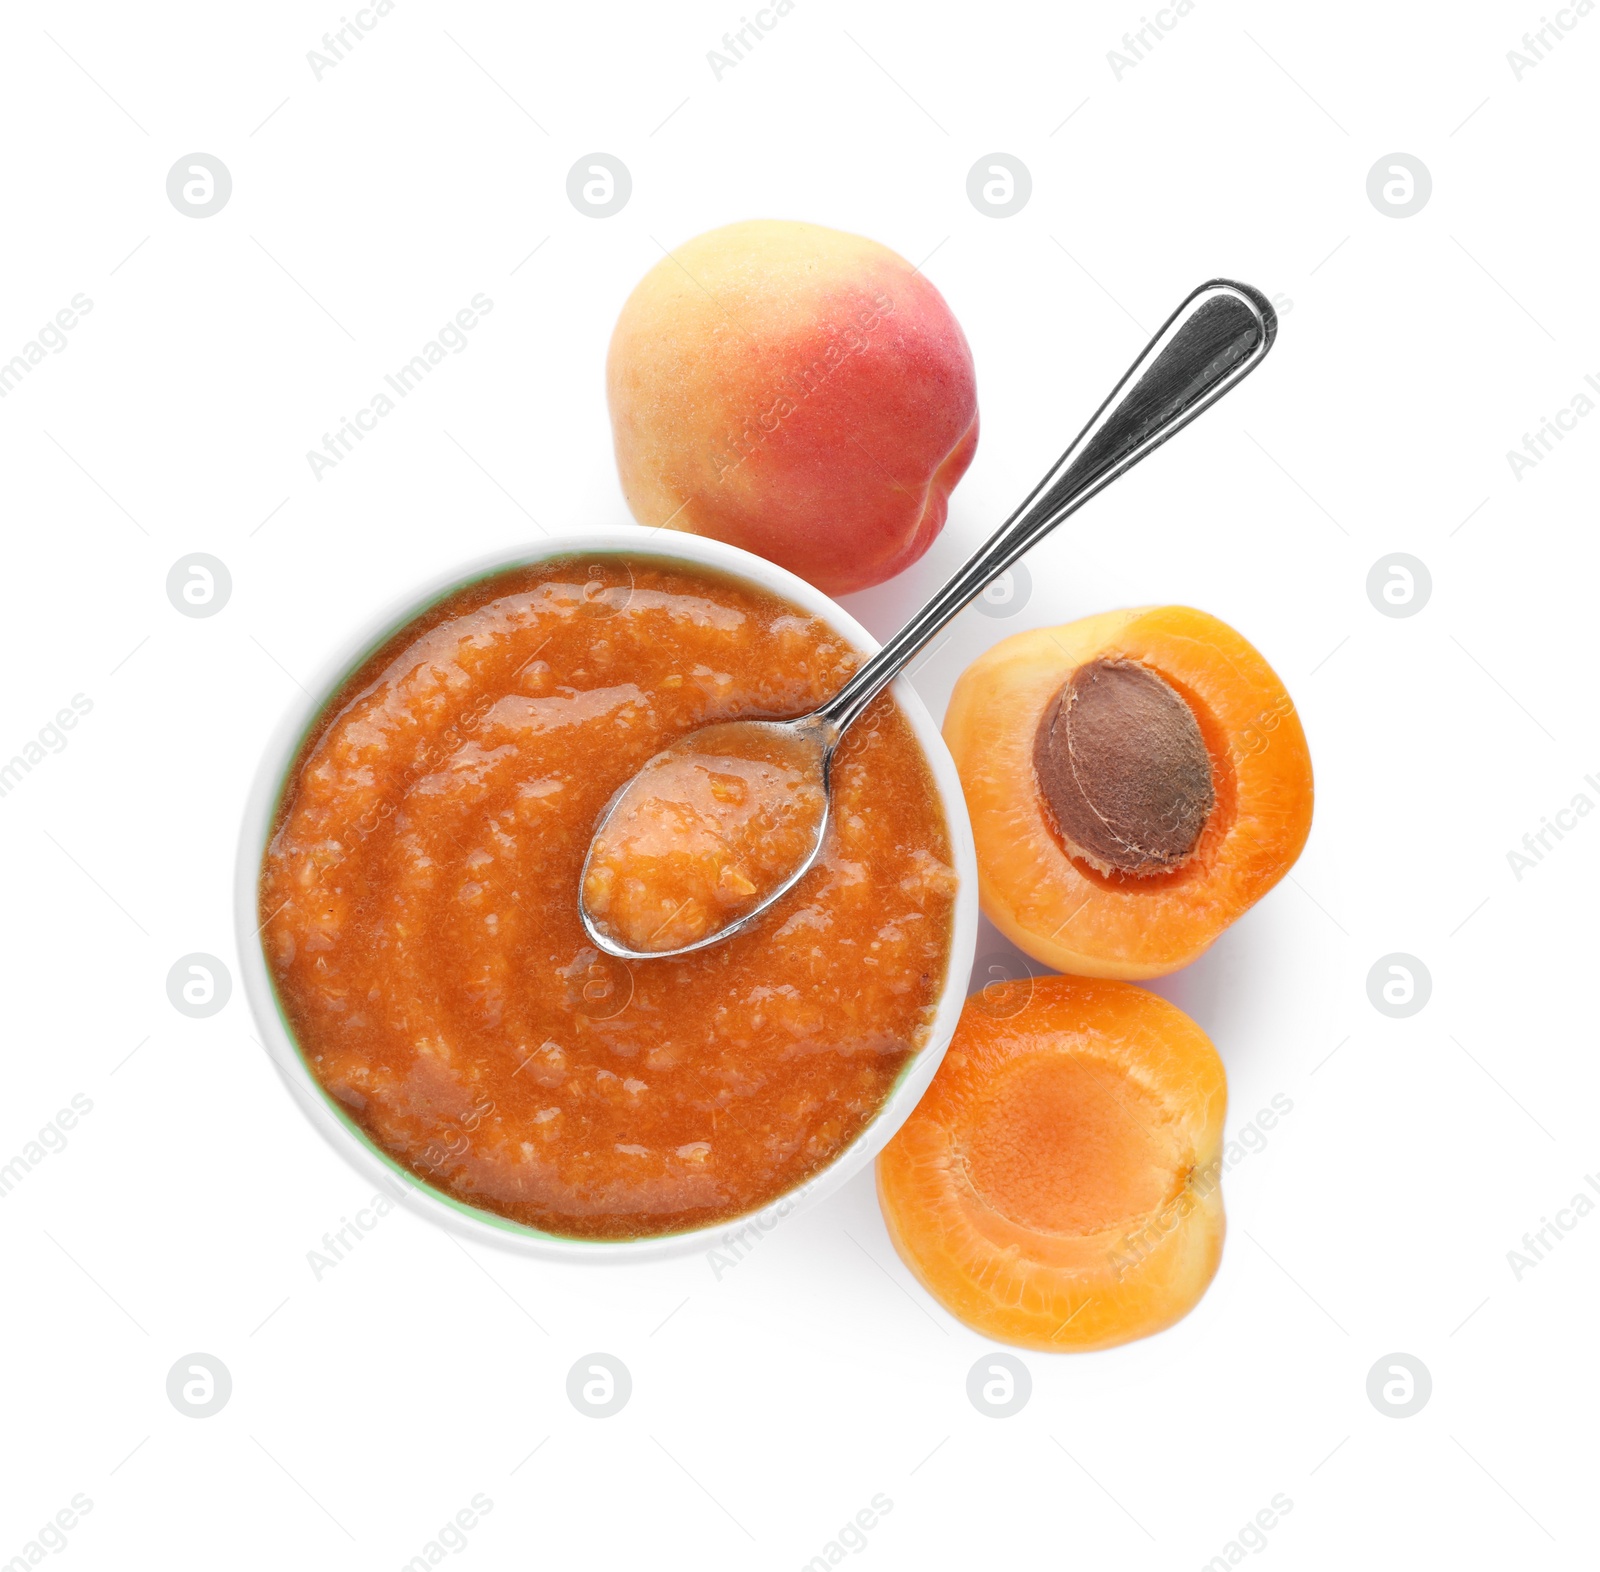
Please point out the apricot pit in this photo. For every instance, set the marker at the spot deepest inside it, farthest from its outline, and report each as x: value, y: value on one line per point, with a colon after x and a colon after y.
x: 1124, y: 770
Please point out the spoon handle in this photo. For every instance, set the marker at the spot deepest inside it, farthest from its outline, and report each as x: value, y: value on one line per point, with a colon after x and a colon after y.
x: 1218, y: 336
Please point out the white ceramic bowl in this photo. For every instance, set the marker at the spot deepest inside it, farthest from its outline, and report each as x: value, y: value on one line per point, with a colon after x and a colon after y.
x: 348, y: 1138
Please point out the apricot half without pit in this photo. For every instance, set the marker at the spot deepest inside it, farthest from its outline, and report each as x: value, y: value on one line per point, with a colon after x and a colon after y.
x: 1059, y: 1185
x: 1136, y: 781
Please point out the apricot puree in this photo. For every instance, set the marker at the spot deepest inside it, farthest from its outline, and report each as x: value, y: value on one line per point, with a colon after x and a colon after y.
x: 419, y: 905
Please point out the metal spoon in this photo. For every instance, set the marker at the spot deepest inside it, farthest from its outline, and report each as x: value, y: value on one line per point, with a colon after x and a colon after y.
x: 1220, y: 334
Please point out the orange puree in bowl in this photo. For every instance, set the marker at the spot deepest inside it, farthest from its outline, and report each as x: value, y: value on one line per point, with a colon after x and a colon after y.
x: 419, y: 906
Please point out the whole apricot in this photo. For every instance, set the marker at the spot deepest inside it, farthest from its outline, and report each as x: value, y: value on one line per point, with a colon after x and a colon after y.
x: 798, y: 391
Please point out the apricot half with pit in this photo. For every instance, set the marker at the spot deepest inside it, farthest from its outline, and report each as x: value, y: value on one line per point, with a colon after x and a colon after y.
x: 1058, y: 1186
x: 1136, y: 781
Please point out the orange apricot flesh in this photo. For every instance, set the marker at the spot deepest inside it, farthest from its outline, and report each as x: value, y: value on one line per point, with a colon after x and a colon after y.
x: 1058, y: 1187
x: 1072, y: 911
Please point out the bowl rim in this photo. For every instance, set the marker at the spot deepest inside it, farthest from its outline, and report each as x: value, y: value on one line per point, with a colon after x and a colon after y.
x: 271, y: 779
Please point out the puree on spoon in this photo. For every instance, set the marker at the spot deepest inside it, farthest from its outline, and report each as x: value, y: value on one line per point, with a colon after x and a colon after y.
x: 419, y: 906
x: 702, y: 834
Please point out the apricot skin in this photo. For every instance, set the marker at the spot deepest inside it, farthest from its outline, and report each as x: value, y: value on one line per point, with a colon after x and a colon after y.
x: 1054, y: 906
x: 797, y: 391
x: 1096, y: 1217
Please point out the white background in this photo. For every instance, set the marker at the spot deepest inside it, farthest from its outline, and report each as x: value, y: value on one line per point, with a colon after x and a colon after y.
x: 771, y: 1403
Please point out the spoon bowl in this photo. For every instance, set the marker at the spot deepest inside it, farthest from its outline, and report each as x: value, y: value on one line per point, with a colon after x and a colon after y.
x: 786, y: 765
